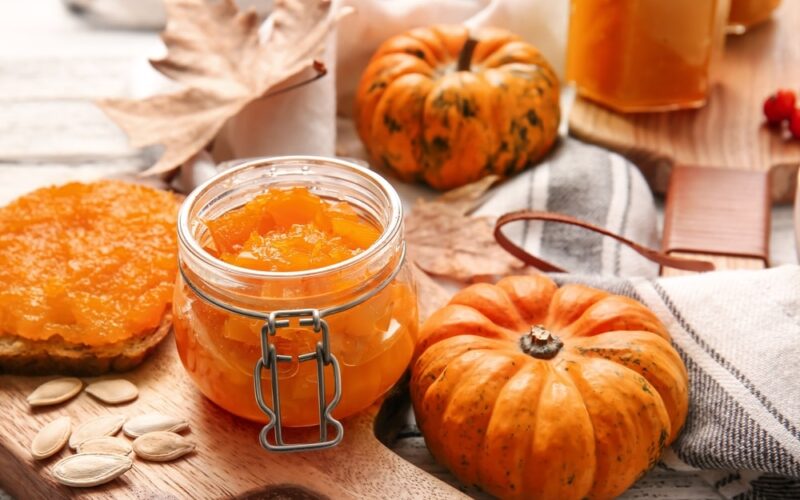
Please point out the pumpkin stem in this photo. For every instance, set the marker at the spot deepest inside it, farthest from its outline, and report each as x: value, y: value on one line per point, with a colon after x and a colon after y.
x: 540, y: 343
x: 465, y: 57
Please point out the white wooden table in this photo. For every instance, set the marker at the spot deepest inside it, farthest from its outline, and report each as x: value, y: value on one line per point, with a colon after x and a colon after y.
x: 52, y: 66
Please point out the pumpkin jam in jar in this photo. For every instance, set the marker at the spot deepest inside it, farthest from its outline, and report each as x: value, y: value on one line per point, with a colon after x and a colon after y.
x: 285, y: 234
x: 747, y: 13
x: 644, y: 55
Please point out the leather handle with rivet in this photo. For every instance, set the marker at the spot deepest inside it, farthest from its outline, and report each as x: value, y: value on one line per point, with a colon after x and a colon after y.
x: 660, y: 258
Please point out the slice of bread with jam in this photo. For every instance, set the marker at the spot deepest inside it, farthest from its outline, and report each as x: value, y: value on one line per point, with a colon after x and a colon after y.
x: 86, y: 277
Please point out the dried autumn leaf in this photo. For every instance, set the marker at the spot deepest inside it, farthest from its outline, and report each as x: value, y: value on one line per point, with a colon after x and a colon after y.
x: 432, y: 295
x: 444, y: 241
x: 466, y: 198
x: 217, y: 53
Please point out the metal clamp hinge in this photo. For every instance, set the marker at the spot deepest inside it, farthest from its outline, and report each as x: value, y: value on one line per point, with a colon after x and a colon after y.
x: 269, y: 360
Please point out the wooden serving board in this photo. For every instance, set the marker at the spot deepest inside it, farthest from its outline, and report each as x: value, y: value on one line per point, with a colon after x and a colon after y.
x: 797, y: 221
x: 729, y: 132
x: 229, y: 462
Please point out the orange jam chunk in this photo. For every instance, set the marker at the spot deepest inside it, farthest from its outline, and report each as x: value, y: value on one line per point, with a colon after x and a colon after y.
x: 295, y: 230
x: 290, y: 230
x: 92, y: 263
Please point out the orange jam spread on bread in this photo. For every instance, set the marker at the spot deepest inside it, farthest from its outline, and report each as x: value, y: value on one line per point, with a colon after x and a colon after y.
x: 290, y: 230
x: 285, y: 230
x: 92, y: 263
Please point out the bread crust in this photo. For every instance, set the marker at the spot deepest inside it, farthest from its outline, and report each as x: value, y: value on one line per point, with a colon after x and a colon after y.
x: 23, y: 356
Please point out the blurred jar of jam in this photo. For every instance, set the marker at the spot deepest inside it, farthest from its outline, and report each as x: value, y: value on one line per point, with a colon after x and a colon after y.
x: 645, y: 55
x: 747, y: 13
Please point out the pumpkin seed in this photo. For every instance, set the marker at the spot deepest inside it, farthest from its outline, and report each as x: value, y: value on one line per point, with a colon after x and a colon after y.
x: 151, y: 422
x: 90, y: 469
x: 106, y: 444
x: 55, y: 391
x: 51, y: 438
x: 162, y: 446
x: 107, y: 425
x: 113, y: 391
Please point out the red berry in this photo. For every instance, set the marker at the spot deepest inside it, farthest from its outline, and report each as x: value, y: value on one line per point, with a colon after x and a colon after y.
x: 794, y: 123
x: 779, y: 106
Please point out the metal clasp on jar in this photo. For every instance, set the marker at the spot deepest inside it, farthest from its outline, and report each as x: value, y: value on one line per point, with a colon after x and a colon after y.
x: 270, y: 359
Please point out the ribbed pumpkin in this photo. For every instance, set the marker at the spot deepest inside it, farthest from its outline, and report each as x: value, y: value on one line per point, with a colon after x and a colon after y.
x: 532, y: 391
x: 437, y: 105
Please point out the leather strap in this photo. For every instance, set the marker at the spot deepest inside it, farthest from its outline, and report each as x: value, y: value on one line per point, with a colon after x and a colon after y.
x: 527, y: 215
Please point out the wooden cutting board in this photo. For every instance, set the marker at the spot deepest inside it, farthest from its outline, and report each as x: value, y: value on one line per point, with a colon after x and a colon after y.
x: 729, y: 131
x: 229, y: 462
x: 797, y: 221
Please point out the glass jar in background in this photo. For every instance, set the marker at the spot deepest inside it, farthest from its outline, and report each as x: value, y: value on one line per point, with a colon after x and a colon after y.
x: 368, y: 302
x: 747, y: 13
x: 645, y: 55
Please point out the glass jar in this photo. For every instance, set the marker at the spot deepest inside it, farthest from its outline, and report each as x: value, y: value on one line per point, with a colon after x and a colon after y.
x: 367, y: 303
x: 747, y: 13
x: 644, y: 55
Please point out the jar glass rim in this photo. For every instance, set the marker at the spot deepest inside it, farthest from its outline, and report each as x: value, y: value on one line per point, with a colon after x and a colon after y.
x: 388, y: 233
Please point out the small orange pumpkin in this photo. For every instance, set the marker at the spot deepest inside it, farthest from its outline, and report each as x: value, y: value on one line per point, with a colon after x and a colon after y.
x: 437, y: 105
x: 532, y: 391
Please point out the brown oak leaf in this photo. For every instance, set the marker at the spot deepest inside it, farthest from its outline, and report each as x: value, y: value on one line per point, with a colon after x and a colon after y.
x: 432, y: 296
x: 445, y: 241
x: 223, y: 62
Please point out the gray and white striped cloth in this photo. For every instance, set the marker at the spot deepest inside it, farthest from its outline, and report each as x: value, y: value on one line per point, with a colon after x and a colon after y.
x: 738, y: 333
x: 594, y: 185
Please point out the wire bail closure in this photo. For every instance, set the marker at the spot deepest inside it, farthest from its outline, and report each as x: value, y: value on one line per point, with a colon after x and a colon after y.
x: 270, y: 359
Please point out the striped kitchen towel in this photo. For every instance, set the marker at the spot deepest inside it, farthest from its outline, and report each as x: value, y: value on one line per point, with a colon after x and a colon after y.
x: 591, y: 184
x: 738, y: 333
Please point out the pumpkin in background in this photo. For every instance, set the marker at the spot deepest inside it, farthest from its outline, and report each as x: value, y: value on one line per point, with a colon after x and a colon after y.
x: 532, y: 391
x: 437, y: 105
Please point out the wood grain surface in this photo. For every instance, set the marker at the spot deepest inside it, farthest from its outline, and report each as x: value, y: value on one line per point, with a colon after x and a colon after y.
x: 797, y: 220
x: 729, y: 132
x: 228, y: 461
